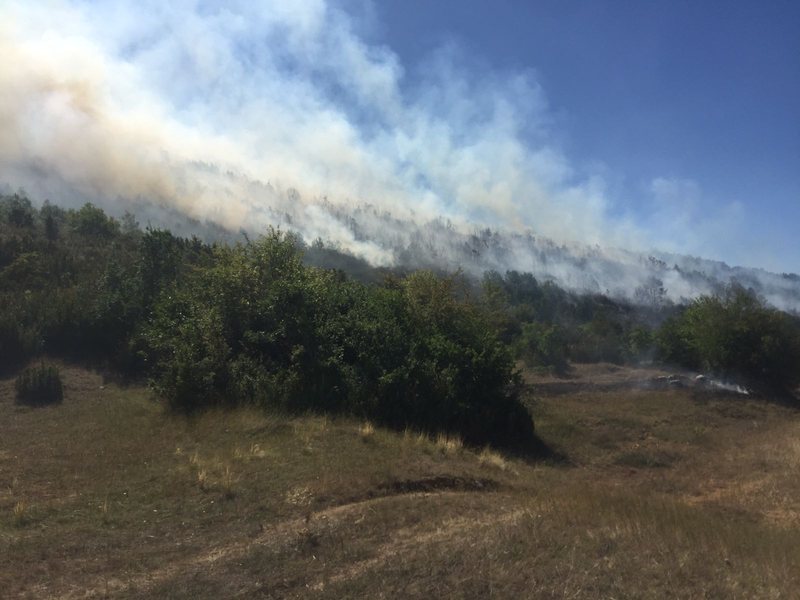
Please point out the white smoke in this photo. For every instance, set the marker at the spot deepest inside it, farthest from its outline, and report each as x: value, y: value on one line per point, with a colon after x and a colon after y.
x: 248, y: 113
x: 188, y: 104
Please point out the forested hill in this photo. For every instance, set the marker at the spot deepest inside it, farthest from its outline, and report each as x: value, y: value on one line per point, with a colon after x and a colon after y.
x: 360, y: 237
x: 381, y: 238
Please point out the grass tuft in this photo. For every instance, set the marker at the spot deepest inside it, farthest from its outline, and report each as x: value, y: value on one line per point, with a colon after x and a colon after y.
x: 256, y: 451
x: 449, y: 445
x: 490, y: 458
x: 104, y: 511
x: 227, y: 482
x: 366, y: 431
x: 202, y: 479
x: 21, y: 513
x: 299, y: 496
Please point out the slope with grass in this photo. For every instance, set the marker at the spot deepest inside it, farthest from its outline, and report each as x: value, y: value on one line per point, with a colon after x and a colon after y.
x: 655, y: 493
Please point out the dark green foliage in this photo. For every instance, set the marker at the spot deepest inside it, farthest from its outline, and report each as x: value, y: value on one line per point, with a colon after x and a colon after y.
x: 453, y: 357
x: 39, y: 386
x: 601, y: 339
x: 640, y: 344
x: 74, y: 283
x: 735, y: 335
x: 18, y: 211
x: 674, y: 343
x: 543, y: 345
x: 18, y: 343
x: 547, y: 326
x: 260, y: 327
x: 91, y: 222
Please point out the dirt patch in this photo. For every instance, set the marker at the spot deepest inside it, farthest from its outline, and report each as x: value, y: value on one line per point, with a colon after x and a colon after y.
x: 440, y: 483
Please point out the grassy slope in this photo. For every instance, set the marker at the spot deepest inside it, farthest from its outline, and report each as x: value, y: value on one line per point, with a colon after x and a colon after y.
x: 664, y: 493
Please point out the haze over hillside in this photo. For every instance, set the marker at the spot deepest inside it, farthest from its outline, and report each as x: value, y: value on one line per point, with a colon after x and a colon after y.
x: 254, y: 114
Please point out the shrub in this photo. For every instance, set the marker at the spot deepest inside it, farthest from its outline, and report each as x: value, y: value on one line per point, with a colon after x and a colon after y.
x: 735, y: 335
x: 260, y: 328
x: 542, y: 345
x: 600, y: 340
x: 39, y: 386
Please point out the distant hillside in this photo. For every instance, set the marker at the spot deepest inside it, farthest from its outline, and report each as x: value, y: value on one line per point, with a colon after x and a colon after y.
x: 618, y: 273
x: 380, y: 238
x: 403, y: 239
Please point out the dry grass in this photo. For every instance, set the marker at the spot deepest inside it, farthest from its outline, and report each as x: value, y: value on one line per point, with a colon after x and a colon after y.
x: 20, y: 513
x: 662, y: 494
x: 493, y: 459
x: 366, y: 431
x: 449, y: 445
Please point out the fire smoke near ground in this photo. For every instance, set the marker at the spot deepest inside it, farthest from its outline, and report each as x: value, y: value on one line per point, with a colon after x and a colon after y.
x: 247, y: 114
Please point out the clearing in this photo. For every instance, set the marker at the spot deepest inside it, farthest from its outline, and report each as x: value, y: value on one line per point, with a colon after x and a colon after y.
x: 676, y: 492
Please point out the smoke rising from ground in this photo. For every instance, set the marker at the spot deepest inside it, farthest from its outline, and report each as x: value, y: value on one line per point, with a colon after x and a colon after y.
x: 254, y: 113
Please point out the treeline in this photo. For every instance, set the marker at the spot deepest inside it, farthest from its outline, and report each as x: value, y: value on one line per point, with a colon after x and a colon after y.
x: 214, y: 324
x: 732, y: 335
x: 225, y: 324
x: 549, y: 327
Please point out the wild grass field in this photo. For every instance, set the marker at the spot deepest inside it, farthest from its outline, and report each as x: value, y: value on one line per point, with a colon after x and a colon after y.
x: 649, y: 493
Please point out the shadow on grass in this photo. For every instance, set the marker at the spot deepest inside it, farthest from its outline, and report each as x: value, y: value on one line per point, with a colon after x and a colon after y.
x: 535, y: 451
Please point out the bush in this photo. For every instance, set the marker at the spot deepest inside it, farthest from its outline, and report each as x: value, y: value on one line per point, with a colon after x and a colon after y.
x: 455, y: 376
x: 39, y: 386
x: 735, y: 335
x: 599, y: 340
x: 258, y: 327
x: 542, y: 345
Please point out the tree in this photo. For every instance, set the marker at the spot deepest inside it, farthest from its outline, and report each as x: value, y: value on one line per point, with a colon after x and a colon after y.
x: 543, y: 345
x: 92, y: 222
x: 19, y: 211
x: 734, y: 334
x: 652, y: 293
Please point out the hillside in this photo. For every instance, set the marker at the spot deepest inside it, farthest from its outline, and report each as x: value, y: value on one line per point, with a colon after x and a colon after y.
x: 382, y: 238
x: 674, y: 492
x: 378, y: 299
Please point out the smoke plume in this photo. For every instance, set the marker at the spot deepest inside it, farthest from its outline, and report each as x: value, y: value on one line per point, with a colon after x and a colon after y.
x: 248, y: 113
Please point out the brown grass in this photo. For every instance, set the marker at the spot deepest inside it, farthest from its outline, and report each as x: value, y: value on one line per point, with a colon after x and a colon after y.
x: 661, y: 494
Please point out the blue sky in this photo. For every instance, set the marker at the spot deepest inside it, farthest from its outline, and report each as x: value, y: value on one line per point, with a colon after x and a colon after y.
x: 704, y: 92
x: 645, y: 125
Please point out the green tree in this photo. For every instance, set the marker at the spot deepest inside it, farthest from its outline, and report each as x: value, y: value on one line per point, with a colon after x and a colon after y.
x: 92, y: 222
x: 543, y: 345
x: 18, y: 210
x: 735, y: 334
